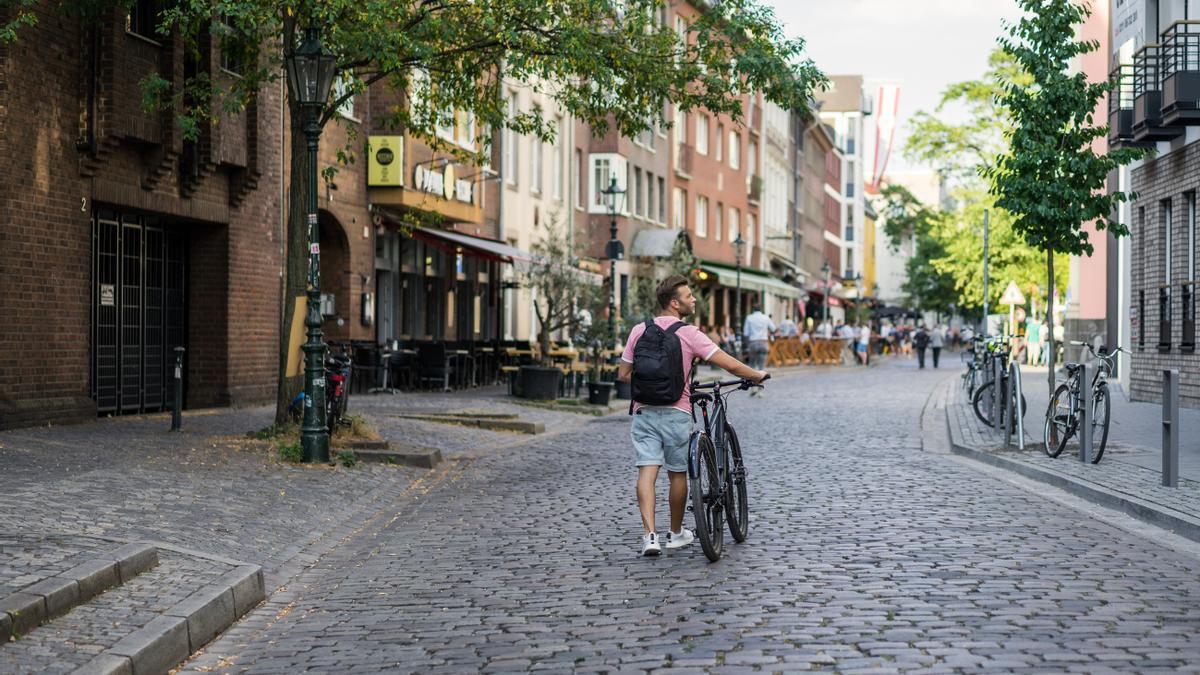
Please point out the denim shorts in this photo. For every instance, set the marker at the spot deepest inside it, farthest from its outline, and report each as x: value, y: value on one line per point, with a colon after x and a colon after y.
x: 660, y: 437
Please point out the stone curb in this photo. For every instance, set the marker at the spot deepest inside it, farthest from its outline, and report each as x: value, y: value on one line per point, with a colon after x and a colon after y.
x: 1148, y: 512
x: 183, y: 629
x: 491, y: 424
x: 423, y: 458
x: 26, y: 609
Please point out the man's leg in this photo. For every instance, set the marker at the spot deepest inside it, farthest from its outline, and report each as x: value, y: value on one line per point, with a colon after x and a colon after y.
x: 647, y: 475
x: 678, y: 498
x: 936, y: 352
x: 920, y: 357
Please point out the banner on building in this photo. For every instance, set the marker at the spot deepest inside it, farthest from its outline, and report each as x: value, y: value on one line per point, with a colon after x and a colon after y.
x: 886, y: 118
x: 1128, y: 23
x: 385, y: 161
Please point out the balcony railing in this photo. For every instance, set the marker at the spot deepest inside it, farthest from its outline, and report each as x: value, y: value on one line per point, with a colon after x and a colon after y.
x: 1181, y: 73
x: 1187, y: 342
x: 1120, y: 108
x: 1164, y: 318
x: 754, y: 187
x: 684, y: 156
x: 1147, y: 97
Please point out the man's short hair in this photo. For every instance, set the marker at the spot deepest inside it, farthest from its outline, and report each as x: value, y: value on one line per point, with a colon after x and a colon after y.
x: 668, y: 289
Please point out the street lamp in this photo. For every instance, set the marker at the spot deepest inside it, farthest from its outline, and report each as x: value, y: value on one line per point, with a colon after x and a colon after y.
x: 739, y: 246
x: 310, y: 71
x: 825, y: 270
x: 614, y: 251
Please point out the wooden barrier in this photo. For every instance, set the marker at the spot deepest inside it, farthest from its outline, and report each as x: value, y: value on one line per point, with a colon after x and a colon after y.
x: 793, y: 351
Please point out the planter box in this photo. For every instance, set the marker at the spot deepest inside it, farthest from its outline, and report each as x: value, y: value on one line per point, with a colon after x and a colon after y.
x: 540, y: 383
x: 599, y: 393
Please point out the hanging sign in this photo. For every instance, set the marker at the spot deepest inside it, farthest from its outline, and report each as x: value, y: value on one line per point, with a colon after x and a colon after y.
x: 385, y: 161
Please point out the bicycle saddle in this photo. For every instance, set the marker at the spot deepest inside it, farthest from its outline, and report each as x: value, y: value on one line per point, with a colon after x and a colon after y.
x: 1071, y: 367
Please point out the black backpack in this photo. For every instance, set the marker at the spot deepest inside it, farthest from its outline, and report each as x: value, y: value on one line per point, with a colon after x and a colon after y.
x: 657, y: 377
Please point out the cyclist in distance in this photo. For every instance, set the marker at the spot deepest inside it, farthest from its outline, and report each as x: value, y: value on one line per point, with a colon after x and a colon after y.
x: 657, y: 361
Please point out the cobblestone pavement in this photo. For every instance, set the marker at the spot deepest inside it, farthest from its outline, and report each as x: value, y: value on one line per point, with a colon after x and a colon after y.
x: 865, y: 553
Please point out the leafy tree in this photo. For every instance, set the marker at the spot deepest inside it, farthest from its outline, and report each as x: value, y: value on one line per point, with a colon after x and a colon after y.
x: 558, y: 287
x: 609, y: 63
x: 1052, y: 180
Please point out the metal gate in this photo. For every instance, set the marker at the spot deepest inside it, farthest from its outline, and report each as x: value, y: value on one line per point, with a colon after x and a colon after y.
x: 138, y: 312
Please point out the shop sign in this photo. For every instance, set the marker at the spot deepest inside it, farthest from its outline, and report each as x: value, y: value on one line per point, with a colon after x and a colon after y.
x: 1128, y: 23
x: 444, y: 184
x: 385, y: 161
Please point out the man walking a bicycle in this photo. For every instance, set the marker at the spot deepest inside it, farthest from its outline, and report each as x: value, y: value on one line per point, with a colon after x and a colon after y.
x: 659, y: 367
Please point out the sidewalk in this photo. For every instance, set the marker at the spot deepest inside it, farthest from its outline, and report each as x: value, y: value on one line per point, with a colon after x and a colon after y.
x: 1128, y: 478
x: 210, y: 499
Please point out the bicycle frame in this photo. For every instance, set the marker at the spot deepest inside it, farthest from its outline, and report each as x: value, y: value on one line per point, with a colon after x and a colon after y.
x: 714, y: 428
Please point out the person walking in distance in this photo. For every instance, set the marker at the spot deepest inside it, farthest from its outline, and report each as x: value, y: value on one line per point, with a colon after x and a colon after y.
x: 920, y: 340
x: 756, y: 331
x: 657, y: 362
x: 937, y: 339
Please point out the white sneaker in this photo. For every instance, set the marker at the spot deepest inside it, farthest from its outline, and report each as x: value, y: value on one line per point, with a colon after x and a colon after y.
x: 650, y: 544
x: 679, y: 539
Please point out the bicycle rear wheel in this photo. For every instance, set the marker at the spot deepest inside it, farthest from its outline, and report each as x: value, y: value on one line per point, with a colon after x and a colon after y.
x: 706, y: 500
x: 737, y: 502
x: 1060, y: 422
x: 1100, y: 416
x: 981, y: 402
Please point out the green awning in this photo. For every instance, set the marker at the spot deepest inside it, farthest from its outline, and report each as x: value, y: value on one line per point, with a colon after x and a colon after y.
x: 752, y: 280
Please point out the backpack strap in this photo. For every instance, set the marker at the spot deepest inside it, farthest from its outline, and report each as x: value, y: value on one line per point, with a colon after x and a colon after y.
x: 675, y: 327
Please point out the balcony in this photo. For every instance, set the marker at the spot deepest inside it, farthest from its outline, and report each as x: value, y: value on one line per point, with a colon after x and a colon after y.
x: 1181, y: 74
x: 1164, y: 319
x: 1147, y: 97
x: 1120, y: 109
x: 684, y: 157
x: 754, y: 188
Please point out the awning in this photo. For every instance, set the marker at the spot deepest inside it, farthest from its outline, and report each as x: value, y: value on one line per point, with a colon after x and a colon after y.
x: 752, y: 280
x: 657, y: 243
x: 486, y: 248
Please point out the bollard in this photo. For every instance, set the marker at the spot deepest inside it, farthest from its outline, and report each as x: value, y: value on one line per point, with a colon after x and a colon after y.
x: 177, y: 406
x: 997, y: 382
x: 1008, y: 408
x: 1170, y: 428
x: 1085, y: 415
x: 1014, y: 380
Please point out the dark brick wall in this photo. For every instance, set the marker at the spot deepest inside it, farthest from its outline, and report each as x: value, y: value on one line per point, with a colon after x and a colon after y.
x: 1168, y: 176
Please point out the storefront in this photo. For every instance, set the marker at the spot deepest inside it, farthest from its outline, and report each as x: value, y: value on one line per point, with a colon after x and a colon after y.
x: 721, y: 283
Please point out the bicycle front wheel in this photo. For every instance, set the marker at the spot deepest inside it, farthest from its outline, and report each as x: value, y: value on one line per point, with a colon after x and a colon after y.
x: 982, y: 402
x: 1060, y: 422
x: 737, y: 502
x: 1100, y: 416
x: 705, y: 491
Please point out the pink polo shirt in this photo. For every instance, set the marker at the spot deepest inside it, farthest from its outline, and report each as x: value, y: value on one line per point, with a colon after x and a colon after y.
x: 694, y: 344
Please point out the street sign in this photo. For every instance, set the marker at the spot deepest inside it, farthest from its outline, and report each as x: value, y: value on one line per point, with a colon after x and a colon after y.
x: 1020, y: 315
x: 1012, y: 295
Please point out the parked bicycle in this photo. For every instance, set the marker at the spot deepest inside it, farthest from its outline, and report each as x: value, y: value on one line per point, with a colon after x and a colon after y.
x: 974, y: 360
x: 716, y: 472
x: 1064, y: 415
x: 337, y: 393
x: 997, y: 348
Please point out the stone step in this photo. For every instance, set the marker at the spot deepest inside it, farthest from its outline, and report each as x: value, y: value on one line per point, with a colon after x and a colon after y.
x: 490, y: 423
x: 146, y: 625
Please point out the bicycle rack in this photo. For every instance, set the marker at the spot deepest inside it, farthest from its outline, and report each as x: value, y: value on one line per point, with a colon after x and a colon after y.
x: 997, y: 404
x: 1170, y: 429
x: 1085, y: 415
x: 1013, y: 401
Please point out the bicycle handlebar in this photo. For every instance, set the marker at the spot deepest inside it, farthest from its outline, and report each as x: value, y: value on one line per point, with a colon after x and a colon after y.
x: 740, y: 383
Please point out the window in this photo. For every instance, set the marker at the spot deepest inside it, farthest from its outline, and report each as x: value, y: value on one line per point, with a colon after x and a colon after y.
x: 751, y: 158
x: 510, y: 143
x: 649, y: 196
x: 1191, y: 245
x: 535, y: 161
x: 142, y: 19
x: 235, y: 56
x: 718, y: 219
x: 558, y: 159
x: 637, y: 192
x: 341, y: 87
x: 601, y: 177
x: 662, y: 200
x: 734, y: 224
x: 680, y: 219
x: 735, y: 150
x: 702, y: 133
x: 720, y: 141
x: 680, y: 126
x: 850, y: 187
x: 751, y: 222
x: 701, y: 216
x: 1167, y: 248
x: 605, y: 168
x: 579, y: 177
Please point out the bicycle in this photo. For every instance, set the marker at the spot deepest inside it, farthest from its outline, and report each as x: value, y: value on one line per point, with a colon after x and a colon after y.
x: 337, y: 393
x: 716, y: 472
x: 970, y: 378
x: 982, y: 402
x: 1063, y: 415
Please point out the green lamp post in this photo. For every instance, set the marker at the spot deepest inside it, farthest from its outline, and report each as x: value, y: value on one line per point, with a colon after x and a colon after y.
x: 310, y: 70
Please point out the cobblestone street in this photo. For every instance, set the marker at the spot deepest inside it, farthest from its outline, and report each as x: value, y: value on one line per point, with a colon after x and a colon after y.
x: 865, y: 552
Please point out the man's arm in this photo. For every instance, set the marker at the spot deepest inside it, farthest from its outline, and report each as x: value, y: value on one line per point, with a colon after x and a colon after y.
x: 624, y: 371
x: 734, y: 367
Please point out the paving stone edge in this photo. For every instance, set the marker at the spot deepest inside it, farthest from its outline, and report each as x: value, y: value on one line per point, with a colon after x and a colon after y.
x: 33, y: 605
x: 1148, y: 512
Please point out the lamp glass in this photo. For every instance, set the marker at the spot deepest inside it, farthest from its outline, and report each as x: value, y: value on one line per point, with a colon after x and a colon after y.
x: 311, y: 69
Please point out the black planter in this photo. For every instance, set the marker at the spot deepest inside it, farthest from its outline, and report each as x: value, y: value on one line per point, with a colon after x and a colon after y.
x: 540, y: 383
x: 599, y: 393
x: 624, y: 390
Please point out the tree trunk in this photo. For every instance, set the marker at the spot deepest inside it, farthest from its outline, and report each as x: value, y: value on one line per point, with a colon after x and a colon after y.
x: 296, y: 263
x: 1050, y: 323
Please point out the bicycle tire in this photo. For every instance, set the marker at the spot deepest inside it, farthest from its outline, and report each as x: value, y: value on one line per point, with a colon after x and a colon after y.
x: 1059, y: 425
x: 1100, y: 398
x: 981, y: 402
x: 737, y: 501
x: 705, y: 506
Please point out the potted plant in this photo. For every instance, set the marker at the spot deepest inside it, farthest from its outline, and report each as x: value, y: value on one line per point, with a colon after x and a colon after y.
x: 595, y: 335
x: 556, y: 284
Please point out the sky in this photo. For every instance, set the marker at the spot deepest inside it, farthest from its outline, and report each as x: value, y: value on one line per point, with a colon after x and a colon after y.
x: 922, y: 44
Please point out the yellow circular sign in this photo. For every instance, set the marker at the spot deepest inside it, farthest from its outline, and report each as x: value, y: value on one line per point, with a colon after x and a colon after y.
x: 448, y: 182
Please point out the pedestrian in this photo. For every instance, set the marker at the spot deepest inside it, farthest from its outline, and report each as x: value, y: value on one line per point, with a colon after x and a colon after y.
x: 787, y: 328
x: 1044, y: 334
x: 661, y: 406
x: 864, y: 344
x: 937, y: 340
x: 920, y: 340
x: 1033, y: 342
x: 756, y: 331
